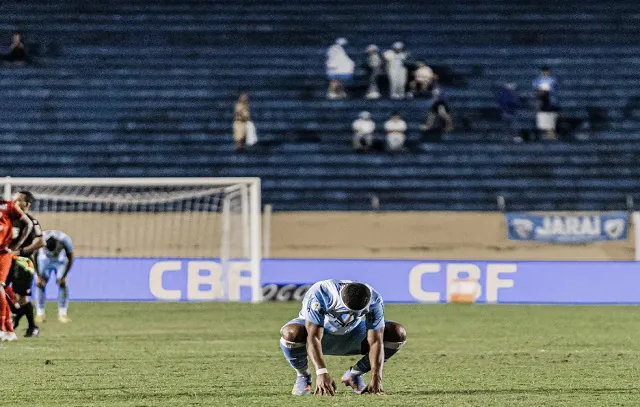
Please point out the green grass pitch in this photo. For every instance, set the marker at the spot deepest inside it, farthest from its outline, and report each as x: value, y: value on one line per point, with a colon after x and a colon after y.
x: 211, y: 354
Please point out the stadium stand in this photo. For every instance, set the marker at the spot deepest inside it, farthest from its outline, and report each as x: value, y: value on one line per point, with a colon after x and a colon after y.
x: 146, y: 88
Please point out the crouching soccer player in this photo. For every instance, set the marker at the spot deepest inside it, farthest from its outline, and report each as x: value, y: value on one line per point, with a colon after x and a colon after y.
x: 55, y: 258
x: 343, y: 318
x: 21, y: 278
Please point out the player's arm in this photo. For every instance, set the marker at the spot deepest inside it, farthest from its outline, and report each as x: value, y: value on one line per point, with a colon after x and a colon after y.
x: 324, y: 384
x: 376, y: 356
x: 69, y: 264
x: 375, y: 339
x: 25, y: 229
x: 38, y: 241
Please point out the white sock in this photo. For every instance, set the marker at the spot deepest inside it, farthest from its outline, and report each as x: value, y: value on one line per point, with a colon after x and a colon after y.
x: 304, y: 372
x: 40, y: 312
x: 356, y: 371
x: 62, y: 312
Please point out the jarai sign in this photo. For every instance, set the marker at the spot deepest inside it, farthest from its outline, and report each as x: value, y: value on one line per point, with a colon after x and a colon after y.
x: 561, y: 228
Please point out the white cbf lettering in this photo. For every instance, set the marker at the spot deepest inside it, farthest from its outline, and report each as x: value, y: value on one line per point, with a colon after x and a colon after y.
x: 472, y: 272
x: 494, y: 282
x: 415, y: 282
x: 155, y: 280
x: 211, y: 278
x: 237, y: 280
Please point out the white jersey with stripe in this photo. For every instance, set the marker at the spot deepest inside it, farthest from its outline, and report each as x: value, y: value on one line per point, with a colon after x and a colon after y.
x: 323, y: 305
x: 63, y: 248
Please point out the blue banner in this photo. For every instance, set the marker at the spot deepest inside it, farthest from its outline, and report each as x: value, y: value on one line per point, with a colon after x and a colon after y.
x: 557, y: 228
x: 406, y: 281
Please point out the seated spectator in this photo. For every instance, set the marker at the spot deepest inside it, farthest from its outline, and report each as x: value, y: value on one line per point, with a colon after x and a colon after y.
x: 422, y: 79
x: 397, y: 59
x: 339, y: 69
x: 17, y: 54
x: 395, y: 129
x: 241, y: 120
x: 374, y: 70
x: 363, y: 129
x: 439, y: 117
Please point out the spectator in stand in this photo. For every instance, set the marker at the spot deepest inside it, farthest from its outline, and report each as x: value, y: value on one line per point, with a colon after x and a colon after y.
x: 17, y: 54
x: 363, y: 129
x: 439, y: 117
x: 508, y: 101
x: 395, y: 129
x: 240, y: 122
x: 546, y: 115
x: 374, y: 70
x: 339, y: 69
x: 423, y: 76
x: 397, y: 59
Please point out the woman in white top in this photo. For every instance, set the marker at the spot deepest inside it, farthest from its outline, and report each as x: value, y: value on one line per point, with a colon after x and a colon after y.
x: 363, y: 129
x: 339, y: 69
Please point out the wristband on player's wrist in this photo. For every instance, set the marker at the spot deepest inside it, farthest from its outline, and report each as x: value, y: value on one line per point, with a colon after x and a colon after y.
x: 324, y: 370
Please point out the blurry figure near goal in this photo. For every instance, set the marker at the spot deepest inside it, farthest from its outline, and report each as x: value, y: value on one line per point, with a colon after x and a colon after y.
x: 463, y: 290
x: 196, y: 218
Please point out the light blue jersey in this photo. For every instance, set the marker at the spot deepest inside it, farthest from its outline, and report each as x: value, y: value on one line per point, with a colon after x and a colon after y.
x: 57, y: 257
x: 323, y: 305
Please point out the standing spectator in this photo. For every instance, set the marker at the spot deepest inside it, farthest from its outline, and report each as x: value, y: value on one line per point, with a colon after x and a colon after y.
x: 363, y: 129
x: 339, y: 69
x: 545, y: 79
x: 508, y: 101
x: 546, y: 115
x: 439, y: 117
x: 423, y: 76
x: 374, y: 69
x: 395, y: 129
x: 240, y: 122
x: 397, y: 58
x: 17, y: 54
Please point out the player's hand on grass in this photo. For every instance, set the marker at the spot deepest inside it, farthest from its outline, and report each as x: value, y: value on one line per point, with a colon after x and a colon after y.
x: 374, y: 387
x: 325, y: 386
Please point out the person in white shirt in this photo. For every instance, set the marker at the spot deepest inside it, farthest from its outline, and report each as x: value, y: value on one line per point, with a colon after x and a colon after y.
x: 396, y: 69
x: 363, y: 129
x: 395, y: 129
x: 339, y: 69
x: 375, y: 69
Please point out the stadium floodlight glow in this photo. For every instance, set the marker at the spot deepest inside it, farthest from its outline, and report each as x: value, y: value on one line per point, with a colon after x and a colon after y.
x: 205, y: 218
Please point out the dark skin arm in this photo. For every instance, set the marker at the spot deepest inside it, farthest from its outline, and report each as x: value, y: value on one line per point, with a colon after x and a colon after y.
x: 325, y: 386
x: 376, y: 356
x: 25, y: 229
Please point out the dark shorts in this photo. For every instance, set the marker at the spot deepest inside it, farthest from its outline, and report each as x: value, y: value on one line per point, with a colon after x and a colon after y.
x: 20, y: 279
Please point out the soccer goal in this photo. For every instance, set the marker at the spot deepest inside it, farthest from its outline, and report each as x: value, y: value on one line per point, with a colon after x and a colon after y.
x: 200, y: 218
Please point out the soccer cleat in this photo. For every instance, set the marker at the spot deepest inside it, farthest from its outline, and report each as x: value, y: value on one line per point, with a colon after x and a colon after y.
x: 40, y: 319
x: 10, y: 337
x: 356, y: 382
x: 3, y: 336
x: 64, y: 319
x: 32, y: 332
x: 302, y: 386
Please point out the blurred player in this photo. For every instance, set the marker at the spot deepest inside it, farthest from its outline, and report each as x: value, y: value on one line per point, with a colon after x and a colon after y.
x: 18, y: 291
x: 10, y: 216
x: 55, y: 258
x: 24, y: 200
x: 340, y: 317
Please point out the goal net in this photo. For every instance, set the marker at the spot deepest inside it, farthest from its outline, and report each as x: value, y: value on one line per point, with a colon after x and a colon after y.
x: 199, y: 218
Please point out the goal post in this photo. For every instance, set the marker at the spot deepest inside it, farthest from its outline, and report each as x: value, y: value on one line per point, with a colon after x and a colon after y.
x: 200, y: 218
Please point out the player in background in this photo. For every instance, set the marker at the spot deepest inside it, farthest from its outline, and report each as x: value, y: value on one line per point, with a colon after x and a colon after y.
x: 10, y: 216
x: 18, y: 289
x: 340, y: 317
x: 24, y: 200
x: 56, y: 257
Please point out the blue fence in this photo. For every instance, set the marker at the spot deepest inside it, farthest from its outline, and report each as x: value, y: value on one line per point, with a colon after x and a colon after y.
x: 406, y: 281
